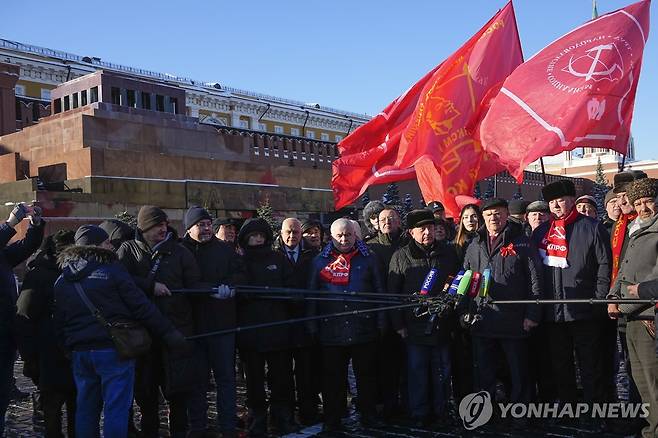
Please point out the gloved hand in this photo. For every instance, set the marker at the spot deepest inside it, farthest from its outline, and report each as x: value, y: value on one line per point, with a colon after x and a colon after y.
x: 35, y: 215
x: 17, y: 214
x: 223, y: 292
x: 177, y: 344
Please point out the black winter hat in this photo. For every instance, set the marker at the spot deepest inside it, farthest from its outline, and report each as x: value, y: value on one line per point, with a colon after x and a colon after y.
x: 623, y: 179
x: 307, y: 224
x: 90, y: 235
x: 149, y: 216
x: 418, y: 218
x: 493, y: 203
x: 223, y: 221
x: 435, y: 206
x: 518, y: 206
x: 119, y: 231
x: 538, y: 206
x: 253, y: 225
x: 193, y: 215
x: 558, y: 189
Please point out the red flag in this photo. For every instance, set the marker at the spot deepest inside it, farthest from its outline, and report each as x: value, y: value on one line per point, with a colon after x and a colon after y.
x: 434, y: 122
x: 578, y: 91
x: 368, y: 154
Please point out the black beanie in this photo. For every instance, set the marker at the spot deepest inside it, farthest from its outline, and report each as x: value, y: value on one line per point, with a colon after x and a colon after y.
x: 90, y: 235
x: 193, y: 215
x: 149, y: 216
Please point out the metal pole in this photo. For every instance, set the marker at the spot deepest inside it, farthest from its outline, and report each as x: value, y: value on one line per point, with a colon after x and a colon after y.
x: 284, y: 290
x: 543, y: 170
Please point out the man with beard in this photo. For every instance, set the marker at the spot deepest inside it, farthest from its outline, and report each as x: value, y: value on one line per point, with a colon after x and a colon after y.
x: 638, y: 265
x: 157, y: 264
x: 428, y: 347
x: 220, y: 268
x: 346, y: 265
x: 575, y: 252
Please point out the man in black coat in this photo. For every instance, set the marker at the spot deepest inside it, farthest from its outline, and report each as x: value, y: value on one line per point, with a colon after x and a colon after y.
x: 158, y: 263
x: 268, y: 346
x: 305, y: 350
x: 10, y: 256
x: 43, y: 361
x: 346, y: 265
x: 220, y: 268
x: 575, y: 252
x: 515, y: 272
x: 428, y: 345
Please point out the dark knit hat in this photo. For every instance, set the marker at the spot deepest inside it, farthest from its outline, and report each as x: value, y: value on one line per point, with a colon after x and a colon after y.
x: 193, y: 215
x: 588, y: 199
x: 641, y: 188
x: 493, y: 203
x: 518, y: 206
x: 253, y: 225
x: 558, y: 189
x: 623, y: 179
x: 119, y: 231
x: 537, y: 206
x: 372, y: 209
x: 149, y: 216
x: 90, y: 235
x: 418, y: 218
x: 435, y: 206
x: 307, y: 224
x: 223, y: 221
x: 609, y: 197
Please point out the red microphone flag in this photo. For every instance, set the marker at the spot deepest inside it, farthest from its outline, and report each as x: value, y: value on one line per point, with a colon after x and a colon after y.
x: 578, y: 91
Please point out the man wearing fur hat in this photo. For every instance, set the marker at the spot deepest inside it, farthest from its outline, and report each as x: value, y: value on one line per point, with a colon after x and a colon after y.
x: 371, y: 218
x: 639, y: 264
x: 158, y: 263
x: 575, y: 251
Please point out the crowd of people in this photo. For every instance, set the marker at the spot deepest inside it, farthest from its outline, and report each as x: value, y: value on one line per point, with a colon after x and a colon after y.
x: 108, y: 316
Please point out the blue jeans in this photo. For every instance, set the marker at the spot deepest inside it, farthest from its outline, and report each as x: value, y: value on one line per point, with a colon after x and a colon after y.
x: 7, y: 358
x: 428, y: 365
x: 104, y: 382
x: 219, y: 356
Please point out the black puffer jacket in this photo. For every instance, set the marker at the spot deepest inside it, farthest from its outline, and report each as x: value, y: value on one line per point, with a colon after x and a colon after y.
x: 407, y: 271
x: 219, y: 264
x: 588, y: 274
x: 177, y: 270
x: 364, y: 276
x: 264, y: 267
x: 110, y: 288
x: 515, y: 276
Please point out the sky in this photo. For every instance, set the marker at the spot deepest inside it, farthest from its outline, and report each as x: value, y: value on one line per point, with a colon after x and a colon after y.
x: 354, y: 55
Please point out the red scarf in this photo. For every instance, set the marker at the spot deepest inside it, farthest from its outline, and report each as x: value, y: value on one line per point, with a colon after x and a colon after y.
x: 618, y: 237
x: 338, y: 271
x: 554, y: 247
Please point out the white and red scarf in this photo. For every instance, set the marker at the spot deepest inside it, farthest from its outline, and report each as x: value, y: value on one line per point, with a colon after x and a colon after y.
x: 554, y: 247
x: 338, y: 270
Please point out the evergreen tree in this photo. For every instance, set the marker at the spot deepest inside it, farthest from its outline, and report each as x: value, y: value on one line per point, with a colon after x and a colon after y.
x: 489, y: 193
x: 265, y: 211
x: 421, y: 203
x: 365, y: 199
x: 477, y: 193
x: 600, y: 188
x: 127, y: 218
x: 392, y: 195
x: 408, y: 204
x: 518, y: 194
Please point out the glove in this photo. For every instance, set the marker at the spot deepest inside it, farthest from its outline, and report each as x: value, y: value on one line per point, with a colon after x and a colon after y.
x: 35, y: 216
x: 17, y: 214
x: 223, y: 292
x: 177, y: 344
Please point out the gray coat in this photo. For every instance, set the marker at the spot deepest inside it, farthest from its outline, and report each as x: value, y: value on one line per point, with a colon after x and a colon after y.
x: 640, y: 263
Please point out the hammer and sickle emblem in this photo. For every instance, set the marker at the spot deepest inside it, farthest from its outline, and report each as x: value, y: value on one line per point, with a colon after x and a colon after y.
x: 594, y: 54
x: 558, y: 233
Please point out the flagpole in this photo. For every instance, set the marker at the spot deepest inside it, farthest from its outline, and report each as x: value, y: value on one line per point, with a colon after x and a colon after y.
x: 543, y: 170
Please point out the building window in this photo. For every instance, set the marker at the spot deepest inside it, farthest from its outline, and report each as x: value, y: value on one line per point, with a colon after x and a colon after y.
x: 45, y: 94
x: 310, y: 134
x: 116, y: 95
x: 324, y: 136
x: 278, y: 129
x: 159, y: 103
x: 131, y: 99
x: 294, y: 131
x: 174, y: 105
x: 19, y: 90
x: 338, y: 138
x: 262, y: 127
x: 146, y: 100
x: 67, y: 103
x: 58, y: 106
x: 83, y: 98
x: 244, y: 124
x: 93, y: 95
x: 76, y: 102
